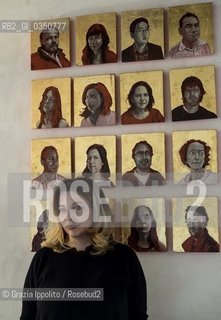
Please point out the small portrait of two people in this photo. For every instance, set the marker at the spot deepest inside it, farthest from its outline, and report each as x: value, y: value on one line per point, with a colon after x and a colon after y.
x: 193, y: 93
x: 195, y: 157
x: 191, y: 30
x: 143, y: 224
x: 195, y: 224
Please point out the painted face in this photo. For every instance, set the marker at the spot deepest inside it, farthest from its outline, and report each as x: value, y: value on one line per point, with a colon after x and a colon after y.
x: 95, y: 42
x: 75, y: 214
x: 195, y: 155
x: 190, y: 29
x: 50, y: 161
x: 50, y: 42
x: 141, y: 33
x: 195, y: 224
x: 142, y: 157
x: 141, y: 98
x: 94, y: 162
x: 93, y: 100
x: 48, y: 105
x: 144, y: 220
x: 192, y: 96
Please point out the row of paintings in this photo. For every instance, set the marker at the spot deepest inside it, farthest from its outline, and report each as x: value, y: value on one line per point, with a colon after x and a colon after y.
x: 192, y: 91
x: 144, y: 224
x: 142, y: 159
x: 142, y: 36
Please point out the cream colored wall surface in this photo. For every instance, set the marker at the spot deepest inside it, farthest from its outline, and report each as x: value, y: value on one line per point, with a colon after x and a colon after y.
x: 180, y: 286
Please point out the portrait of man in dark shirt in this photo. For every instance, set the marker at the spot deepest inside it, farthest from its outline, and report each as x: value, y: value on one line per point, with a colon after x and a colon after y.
x: 192, y: 94
x: 141, y: 49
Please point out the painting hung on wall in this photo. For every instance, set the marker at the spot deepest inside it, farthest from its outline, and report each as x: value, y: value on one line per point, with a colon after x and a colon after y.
x: 143, y: 225
x: 141, y: 96
x: 195, y: 156
x: 191, y: 30
x: 50, y: 44
x: 51, y: 103
x: 94, y: 101
x: 142, y: 35
x: 193, y: 93
x: 51, y: 161
x: 143, y: 159
x: 96, y: 39
x: 195, y: 224
x: 96, y: 159
x: 39, y: 219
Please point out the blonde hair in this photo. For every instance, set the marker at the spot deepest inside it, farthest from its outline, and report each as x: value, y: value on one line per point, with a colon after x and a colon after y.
x: 101, y: 234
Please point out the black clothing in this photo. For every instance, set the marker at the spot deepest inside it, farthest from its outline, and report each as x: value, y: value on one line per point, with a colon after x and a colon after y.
x: 154, y: 179
x: 154, y: 53
x: 180, y: 114
x: 118, y: 272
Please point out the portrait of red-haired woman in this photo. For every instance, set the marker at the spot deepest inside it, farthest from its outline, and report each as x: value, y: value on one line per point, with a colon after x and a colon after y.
x: 97, y: 101
x: 97, y: 50
x: 50, y: 109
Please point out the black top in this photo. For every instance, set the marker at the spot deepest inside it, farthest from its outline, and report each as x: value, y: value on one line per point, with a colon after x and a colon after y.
x: 118, y: 272
x: 154, y: 53
x: 180, y: 114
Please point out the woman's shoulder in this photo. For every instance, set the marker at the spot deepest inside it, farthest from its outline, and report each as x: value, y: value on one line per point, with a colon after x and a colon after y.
x: 63, y: 123
x: 123, y: 249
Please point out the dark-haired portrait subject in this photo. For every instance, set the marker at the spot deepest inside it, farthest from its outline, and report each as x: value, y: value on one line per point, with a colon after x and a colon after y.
x: 190, y: 44
x: 49, y: 177
x: 49, y: 55
x: 142, y: 174
x: 200, y: 240
x: 39, y: 237
x: 143, y: 236
x: 141, y: 49
x: 97, y: 166
x: 97, y: 50
x: 192, y: 94
x: 51, y: 110
x: 195, y: 154
x: 141, y: 103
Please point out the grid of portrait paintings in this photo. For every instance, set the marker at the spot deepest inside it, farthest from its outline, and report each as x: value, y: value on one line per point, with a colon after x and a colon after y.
x: 132, y: 160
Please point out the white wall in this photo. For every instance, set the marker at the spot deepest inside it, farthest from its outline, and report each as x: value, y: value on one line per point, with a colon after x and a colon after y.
x: 180, y: 286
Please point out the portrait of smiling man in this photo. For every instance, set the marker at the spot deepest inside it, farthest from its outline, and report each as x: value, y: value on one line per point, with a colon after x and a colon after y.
x: 191, y: 44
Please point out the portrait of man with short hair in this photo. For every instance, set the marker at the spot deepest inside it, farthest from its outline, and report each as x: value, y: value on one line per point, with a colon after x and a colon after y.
x: 51, y: 157
x: 192, y: 25
x: 49, y: 55
x: 195, y: 88
x: 142, y: 173
x: 138, y: 27
x: 195, y: 224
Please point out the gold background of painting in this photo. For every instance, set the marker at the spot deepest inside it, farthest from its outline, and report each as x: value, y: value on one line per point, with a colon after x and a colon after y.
x: 64, y: 88
x: 204, y: 12
x: 83, y: 143
x: 180, y: 231
x: 83, y: 23
x: 205, y: 74
x: 156, y: 140
x: 63, y: 146
x: 153, y: 78
x: 79, y: 85
x: 34, y: 215
x: 155, y: 18
x: 157, y: 205
x: 64, y: 37
x: 181, y: 137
